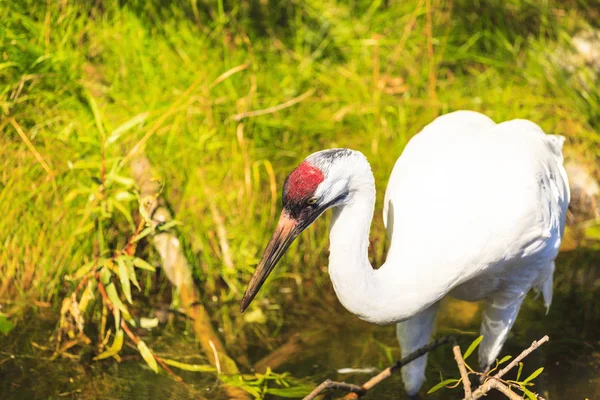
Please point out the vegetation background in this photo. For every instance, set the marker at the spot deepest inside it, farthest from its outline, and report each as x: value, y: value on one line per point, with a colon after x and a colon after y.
x: 86, y: 85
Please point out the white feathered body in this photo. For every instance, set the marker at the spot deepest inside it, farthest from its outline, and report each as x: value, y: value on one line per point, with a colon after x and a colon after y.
x: 476, y: 206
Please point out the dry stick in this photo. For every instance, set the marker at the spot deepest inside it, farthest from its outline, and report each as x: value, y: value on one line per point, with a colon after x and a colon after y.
x: 463, y: 370
x: 221, y: 230
x: 329, y: 384
x: 388, y: 371
x: 271, y: 110
x: 504, y: 390
x: 222, y: 235
x: 494, y: 381
x: 521, y: 356
x: 31, y: 147
x: 239, y: 132
x: 227, y: 74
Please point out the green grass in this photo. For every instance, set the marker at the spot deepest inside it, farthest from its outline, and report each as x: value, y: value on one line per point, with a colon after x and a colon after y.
x: 72, y: 74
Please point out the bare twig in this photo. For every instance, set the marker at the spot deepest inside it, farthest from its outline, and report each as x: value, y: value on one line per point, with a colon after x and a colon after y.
x: 222, y: 235
x: 521, y: 356
x: 505, y: 390
x: 227, y: 74
x: 31, y: 147
x: 463, y: 370
x: 386, y: 372
x: 271, y: 110
x: 329, y: 384
x: 494, y: 381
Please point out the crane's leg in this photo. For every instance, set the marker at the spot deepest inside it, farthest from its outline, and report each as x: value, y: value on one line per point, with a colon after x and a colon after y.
x: 499, y: 315
x: 413, y: 334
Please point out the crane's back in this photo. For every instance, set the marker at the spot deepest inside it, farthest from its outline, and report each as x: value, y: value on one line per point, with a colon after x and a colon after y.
x: 471, y: 198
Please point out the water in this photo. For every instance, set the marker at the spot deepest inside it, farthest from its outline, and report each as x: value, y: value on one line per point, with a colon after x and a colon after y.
x: 333, y: 339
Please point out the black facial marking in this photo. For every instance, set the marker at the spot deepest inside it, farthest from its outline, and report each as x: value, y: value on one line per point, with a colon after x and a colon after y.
x: 331, y: 155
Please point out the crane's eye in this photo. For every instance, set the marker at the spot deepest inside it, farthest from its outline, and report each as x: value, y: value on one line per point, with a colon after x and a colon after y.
x: 311, y: 201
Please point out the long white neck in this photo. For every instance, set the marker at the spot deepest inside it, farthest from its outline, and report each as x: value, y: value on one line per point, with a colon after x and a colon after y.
x: 389, y: 294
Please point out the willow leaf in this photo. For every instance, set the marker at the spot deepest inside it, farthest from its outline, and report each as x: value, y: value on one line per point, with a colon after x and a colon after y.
x: 124, y: 278
x: 189, y: 367
x: 115, y: 348
x: 143, y: 264
x: 443, y: 383
x: 534, y: 375
x: 147, y: 356
x: 472, y: 347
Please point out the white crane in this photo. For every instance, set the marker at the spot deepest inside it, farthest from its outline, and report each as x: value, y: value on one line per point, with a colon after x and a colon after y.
x: 473, y: 209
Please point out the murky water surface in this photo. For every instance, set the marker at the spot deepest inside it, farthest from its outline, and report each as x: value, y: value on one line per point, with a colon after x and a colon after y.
x: 334, y: 339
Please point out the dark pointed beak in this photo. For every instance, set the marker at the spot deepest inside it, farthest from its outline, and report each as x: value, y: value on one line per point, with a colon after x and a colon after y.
x: 287, y: 230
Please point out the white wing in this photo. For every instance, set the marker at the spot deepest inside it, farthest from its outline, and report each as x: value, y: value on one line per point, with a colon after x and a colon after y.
x: 487, y: 197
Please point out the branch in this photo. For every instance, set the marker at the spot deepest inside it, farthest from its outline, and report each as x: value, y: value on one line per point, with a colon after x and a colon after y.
x: 463, y: 370
x: 495, y: 382
x: 505, y: 390
x: 354, y: 393
x: 521, y: 356
x: 329, y: 384
x: 271, y: 110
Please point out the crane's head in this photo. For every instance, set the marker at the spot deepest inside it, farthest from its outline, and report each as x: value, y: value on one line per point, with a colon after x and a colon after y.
x: 323, y: 180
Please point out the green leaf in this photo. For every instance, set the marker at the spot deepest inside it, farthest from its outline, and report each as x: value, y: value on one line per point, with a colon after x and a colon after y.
x: 86, y: 297
x: 534, y: 375
x: 519, y: 371
x: 138, y: 262
x: 87, y: 267
x: 5, y: 325
x: 528, y: 393
x: 504, y: 359
x: 147, y: 356
x: 121, y: 208
x: 168, y: 225
x: 291, y: 392
x: 124, y: 181
x: 111, y: 290
x: 189, y: 367
x: 114, y: 349
x: 124, y: 196
x: 131, y: 272
x: 124, y: 278
x: 472, y: 347
x: 443, y: 383
x: 144, y: 233
x: 117, y: 318
x: 84, y: 229
x: 105, y: 275
x: 132, y: 123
